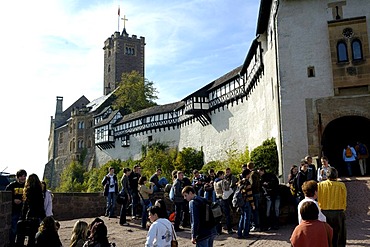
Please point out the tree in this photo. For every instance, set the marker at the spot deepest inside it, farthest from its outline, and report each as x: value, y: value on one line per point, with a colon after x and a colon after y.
x: 134, y: 93
x: 188, y: 159
x: 72, y: 178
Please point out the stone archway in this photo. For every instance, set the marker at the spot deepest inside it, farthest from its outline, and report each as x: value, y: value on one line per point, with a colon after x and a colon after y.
x: 341, y: 132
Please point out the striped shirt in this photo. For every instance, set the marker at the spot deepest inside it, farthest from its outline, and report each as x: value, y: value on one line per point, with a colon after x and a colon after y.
x: 247, y: 191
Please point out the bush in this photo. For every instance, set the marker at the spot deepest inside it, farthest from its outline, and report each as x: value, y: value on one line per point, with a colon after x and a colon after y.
x: 266, y: 155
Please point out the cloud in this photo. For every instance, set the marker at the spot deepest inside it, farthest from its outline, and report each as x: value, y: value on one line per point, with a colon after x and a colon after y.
x: 54, y: 48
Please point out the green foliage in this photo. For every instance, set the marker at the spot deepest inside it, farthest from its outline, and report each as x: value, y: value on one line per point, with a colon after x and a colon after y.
x: 235, y: 159
x: 158, y: 156
x: 215, y: 165
x: 134, y: 93
x: 93, y: 181
x: 82, y: 156
x: 72, y: 178
x: 266, y: 155
x: 189, y: 159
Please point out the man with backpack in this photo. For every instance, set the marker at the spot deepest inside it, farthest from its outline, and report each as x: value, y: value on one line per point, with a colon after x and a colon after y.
x: 203, y: 232
x: 362, y: 155
x: 349, y: 157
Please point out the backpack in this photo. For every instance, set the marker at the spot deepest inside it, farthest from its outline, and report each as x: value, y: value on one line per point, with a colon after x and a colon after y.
x: 362, y: 149
x: 294, y: 186
x: 172, y: 193
x: 211, y: 213
x: 238, y: 199
x: 348, y: 152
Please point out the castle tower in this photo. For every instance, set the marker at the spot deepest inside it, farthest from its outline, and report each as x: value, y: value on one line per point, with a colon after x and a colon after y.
x: 122, y: 54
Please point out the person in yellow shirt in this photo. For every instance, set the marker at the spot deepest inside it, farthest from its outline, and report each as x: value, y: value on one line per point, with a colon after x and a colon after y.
x: 332, y: 199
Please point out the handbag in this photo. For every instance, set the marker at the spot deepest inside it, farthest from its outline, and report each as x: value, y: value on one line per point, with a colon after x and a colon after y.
x: 174, y: 242
x: 121, y: 197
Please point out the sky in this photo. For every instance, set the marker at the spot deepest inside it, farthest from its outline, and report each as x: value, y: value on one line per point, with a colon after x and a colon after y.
x: 53, y: 48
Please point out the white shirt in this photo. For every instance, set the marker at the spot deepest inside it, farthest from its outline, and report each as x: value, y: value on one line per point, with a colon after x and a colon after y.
x: 322, y: 177
x: 48, y: 203
x: 111, y: 188
x: 322, y: 217
x: 159, y: 234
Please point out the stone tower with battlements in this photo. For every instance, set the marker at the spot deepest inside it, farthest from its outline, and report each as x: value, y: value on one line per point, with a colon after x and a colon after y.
x: 122, y: 54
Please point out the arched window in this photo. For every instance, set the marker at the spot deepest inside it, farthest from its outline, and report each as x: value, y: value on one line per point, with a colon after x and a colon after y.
x: 357, y: 50
x: 342, y: 52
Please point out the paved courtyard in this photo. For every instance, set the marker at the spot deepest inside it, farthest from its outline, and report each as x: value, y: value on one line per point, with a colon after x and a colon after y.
x: 358, y: 225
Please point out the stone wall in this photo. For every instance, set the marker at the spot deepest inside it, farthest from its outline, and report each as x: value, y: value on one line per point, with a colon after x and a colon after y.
x: 5, y: 216
x: 66, y: 206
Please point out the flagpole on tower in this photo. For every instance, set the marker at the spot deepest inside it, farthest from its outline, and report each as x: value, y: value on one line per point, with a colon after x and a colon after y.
x: 119, y: 15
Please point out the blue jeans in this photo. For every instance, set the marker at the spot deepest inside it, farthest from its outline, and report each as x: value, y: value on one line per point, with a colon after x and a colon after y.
x: 349, y: 168
x: 13, y: 229
x: 255, y: 213
x: 275, y: 202
x: 208, y: 242
x: 111, y: 203
x: 179, y: 209
x: 226, y: 210
x: 144, y: 214
x: 243, y: 227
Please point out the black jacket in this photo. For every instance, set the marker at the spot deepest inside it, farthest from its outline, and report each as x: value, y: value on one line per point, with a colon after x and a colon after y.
x: 106, y: 184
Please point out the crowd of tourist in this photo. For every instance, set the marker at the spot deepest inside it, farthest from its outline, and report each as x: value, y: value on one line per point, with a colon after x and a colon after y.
x: 253, y: 196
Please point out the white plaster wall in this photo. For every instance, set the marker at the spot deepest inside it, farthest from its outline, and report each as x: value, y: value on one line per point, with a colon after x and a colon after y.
x: 235, y: 127
x: 169, y: 137
x: 303, y: 41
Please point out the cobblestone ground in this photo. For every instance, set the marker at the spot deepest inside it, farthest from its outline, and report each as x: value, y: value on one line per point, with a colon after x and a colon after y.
x: 358, y: 225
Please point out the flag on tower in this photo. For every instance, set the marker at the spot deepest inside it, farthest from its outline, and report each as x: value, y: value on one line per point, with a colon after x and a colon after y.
x: 119, y: 11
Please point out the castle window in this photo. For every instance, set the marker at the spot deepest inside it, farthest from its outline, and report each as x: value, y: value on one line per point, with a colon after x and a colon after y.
x: 150, y: 138
x: 80, y: 144
x: 81, y: 125
x: 108, y: 68
x: 357, y: 50
x: 342, y: 52
x: 311, y: 71
x: 125, y: 141
x: 60, y: 137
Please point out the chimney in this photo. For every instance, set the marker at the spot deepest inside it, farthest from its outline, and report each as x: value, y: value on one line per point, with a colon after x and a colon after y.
x: 59, y: 107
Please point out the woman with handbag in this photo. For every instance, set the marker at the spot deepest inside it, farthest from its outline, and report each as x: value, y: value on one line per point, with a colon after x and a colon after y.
x: 125, y: 196
x: 145, y: 189
x: 161, y: 232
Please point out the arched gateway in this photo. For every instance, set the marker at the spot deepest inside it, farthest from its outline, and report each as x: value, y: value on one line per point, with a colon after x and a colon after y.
x: 339, y: 133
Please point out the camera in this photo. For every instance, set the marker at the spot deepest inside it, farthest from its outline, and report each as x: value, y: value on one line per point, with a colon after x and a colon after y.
x: 111, y: 186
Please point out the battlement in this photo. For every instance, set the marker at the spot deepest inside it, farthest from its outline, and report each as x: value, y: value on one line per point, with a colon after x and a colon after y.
x: 118, y: 36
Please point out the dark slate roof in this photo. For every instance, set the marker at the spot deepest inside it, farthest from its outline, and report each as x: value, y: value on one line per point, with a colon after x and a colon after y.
x: 151, y: 111
x: 108, y: 119
x: 226, y: 77
x: 216, y: 83
x: 263, y: 16
x: 103, y: 111
x: 79, y: 104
